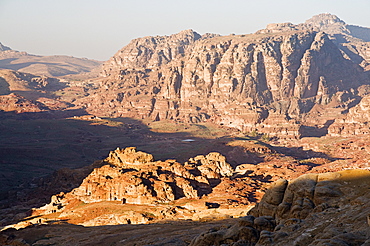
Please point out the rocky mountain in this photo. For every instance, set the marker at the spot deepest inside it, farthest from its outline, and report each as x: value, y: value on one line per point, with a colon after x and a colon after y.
x: 282, y: 80
x: 352, y: 40
x: 51, y: 66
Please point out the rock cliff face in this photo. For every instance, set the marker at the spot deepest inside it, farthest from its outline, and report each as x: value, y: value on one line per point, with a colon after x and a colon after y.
x: 314, y: 209
x: 129, y: 177
x: 273, y: 78
x: 353, y: 41
x: 356, y: 122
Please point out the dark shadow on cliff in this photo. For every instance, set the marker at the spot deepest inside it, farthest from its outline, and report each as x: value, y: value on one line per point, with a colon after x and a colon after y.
x: 312, y: 131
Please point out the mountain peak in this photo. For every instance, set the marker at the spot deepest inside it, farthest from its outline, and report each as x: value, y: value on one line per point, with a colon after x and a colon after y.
x: 324, y: 19
x: 3, y: 47
x: 328, y: 23
x: 189, y: 33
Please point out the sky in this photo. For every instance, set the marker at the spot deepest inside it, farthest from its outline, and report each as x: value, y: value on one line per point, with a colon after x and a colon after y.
x: 97, y: 29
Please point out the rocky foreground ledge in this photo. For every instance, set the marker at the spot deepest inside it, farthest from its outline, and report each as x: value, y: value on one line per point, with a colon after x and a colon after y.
x: 314, y: 209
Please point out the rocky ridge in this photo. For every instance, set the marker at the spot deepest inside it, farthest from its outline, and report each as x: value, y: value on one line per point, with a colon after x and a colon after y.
x: 3, y: 47
x: 51, y: 66
x: 18, y: 104
x: 314, y: 209
x: 13, y: 81
x: 25, y: 92
x: 129, y: 178
x: 276, y: 81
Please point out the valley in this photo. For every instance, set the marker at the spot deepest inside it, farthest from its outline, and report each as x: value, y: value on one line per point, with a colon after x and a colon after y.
x: 189, y: 139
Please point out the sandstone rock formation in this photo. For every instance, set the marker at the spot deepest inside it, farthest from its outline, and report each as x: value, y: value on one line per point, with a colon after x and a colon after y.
x: 132, y: 177
x: 315, y: 209
x: 276, y: 81
x: 351, y: 40
x: 19, y: 104
x: 25, y: 92
x: 355, y: 122
x: 129, y: 187
x: 151, y: 52
x: 13, y: 81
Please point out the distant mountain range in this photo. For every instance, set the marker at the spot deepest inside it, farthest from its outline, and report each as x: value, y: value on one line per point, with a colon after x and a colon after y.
x: 52, y: 66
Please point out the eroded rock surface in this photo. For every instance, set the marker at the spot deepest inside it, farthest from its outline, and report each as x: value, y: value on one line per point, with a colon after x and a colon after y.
x: 356, y: 122
x: 281, y: 81
x: 146, y: 190
x: 314, y: 209
x: 19, y: 104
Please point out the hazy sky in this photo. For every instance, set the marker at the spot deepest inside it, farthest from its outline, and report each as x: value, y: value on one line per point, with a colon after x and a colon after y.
x: 98, y: 28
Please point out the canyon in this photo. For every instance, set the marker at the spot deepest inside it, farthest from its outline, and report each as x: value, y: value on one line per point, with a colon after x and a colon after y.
x: 190, y: 139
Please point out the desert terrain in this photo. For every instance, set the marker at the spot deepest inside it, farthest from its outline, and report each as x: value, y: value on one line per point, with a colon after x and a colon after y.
x: 190, y: 139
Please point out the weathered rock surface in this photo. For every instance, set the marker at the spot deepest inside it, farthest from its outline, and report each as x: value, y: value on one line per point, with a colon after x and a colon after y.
x: 25, y: 92
x: 151, y: 52
x: 314, y: 209
x: 352, y: 40
x: 355, y: 122
x: 309, y: 209
x: 275, y: 81
x: 132, y: 178
x: 129, y: 186
x: 19, y: 104
x: 12, y: 81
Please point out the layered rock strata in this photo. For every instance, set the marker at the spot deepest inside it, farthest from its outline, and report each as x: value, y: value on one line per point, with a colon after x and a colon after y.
x: 133, y: 177
x: 273, y: 81
x: 356, y: 122
x: 315, y: 209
